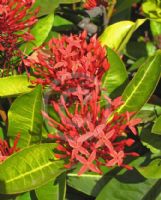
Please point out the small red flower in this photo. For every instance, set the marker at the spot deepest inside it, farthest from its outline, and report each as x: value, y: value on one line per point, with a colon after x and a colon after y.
x: 89, y: 4
x: 5, y: 150
x: 15, y: 22
x: 88, y: 164
x: 71, y: 66
x: 93, y: 136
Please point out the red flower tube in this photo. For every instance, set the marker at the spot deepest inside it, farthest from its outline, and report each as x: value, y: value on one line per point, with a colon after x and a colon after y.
x: 89, y: 4
x: 15, y: 22
x: 93, y: 136
x: 6, y: 150
x: 71, y: 65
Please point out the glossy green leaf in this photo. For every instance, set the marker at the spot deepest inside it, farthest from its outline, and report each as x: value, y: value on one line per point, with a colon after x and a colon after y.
x: 117, y: 35
x: 60, y: 21
x: 29, y: 169
x: 157, y: 126
x: 40, y: 31
x: 137, y: 64
x: 69, y: 1
x: 129, y: 186
x: 53, y: 190
x: 125, y: 40
x: 140, y: 88
x: 61, y: 24
x: 89, y: 183
x: 85, y: 183
x: 61, y: 180
x: 152, y: 170
x: 46, y: 6
x: 14, y: 85
x: 149, y: 112
x: 151, y: 48
x: 49, y: 190
x: 24, y: 196
x: 115, y: 79
x: 152, y: 8
x: 155, y: 28
x: 25, y: 118
x: 150, y: 140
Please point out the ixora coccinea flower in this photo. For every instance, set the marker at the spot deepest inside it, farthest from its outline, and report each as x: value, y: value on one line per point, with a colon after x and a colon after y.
x: 91, y: 135
x: 15, y: 22
x: 6, y: 150
x: 89, y: 4
x: 70, y: 63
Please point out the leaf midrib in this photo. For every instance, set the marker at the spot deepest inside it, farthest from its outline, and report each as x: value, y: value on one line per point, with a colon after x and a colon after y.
x: 29, y: 172
x: 32, y: 118
x: 137, y: 86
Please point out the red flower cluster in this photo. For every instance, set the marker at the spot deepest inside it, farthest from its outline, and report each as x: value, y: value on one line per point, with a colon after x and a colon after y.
x: 71, y: 65
x: 93, y: 3
x: 15, y: 21
x: 93, y: 136
x: 5, y: 150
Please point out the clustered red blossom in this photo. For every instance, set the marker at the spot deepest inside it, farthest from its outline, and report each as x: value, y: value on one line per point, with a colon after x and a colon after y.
x: 89, y: 4
x: 71, y: 65
x: 15, y: 23
x: 6, y: 150
x: 91, y: 135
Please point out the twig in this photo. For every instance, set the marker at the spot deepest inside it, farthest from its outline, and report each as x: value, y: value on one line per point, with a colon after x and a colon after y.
x: 110, y: 10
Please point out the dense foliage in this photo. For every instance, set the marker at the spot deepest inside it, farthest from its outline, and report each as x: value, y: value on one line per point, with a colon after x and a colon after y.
x: 80, y: 100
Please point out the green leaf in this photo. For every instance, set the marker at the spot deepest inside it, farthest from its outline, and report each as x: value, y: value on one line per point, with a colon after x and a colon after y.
x: 29, y: 169
x: 61, y: 181
x: 128, y: 186
x: 151, y: 48
x: 69, y: 1
x: 25, y: 118
x: 40, y: 31
x: 137, y: 64
x: 89, y: 183
x: 119, y: 34
x: 50, y: 190
x: 115, y: 79
x: 153, y: 170
x: 149, y: 112
x: 155, y: 28
x: 46, y: 6
x: 150, y: 140
x: 136, y: 25
x: 53, y: 190
x: 140, y: 88
x: 114, y: 34
x: 157, y: 126
x: 24, y: 196
x: 14, y: 85
x: 61, y: 24
x: 152, y: 8
x: 85, y: 183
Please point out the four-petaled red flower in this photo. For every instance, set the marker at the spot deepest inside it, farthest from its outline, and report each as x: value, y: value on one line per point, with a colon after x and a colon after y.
x: 15, y: 22
x: 89, y: 4
x: 71, y: 65
x: 5, y: 150
x: 91, y: 135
